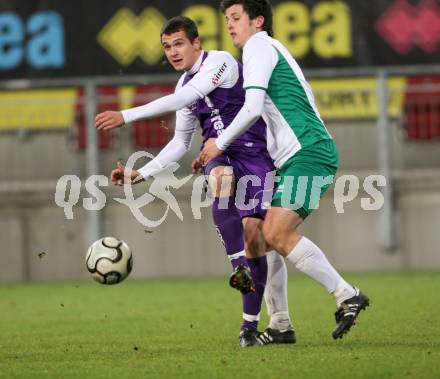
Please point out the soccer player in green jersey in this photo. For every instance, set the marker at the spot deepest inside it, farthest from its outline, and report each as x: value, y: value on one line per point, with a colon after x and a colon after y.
x: 303, y: 151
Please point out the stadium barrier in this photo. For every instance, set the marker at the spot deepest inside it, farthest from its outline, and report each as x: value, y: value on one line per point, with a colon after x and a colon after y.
x: 45, y: 126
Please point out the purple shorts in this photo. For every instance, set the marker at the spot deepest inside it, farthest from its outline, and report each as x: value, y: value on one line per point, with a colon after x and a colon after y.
x: 250, y: 170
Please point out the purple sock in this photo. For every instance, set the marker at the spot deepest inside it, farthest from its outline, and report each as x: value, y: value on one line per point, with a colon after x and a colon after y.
x: 252, y: 301
x: 230, y: 229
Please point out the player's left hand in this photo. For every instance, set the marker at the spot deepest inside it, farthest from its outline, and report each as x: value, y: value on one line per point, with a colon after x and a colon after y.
x: 209, y: 151
x: 122, y: 174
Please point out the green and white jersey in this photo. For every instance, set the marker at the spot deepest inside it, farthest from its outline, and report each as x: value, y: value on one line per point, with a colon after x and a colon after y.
x: 289, y: 110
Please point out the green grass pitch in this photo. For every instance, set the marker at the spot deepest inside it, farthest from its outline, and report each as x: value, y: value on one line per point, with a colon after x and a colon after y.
x: 188, y: 328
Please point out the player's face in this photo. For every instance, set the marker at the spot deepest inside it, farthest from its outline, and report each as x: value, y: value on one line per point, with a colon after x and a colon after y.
x: 240, y: 26
x: 180, y: 51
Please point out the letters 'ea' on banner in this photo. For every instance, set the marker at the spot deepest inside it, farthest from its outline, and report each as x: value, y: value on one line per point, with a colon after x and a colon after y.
x: 89, y: 38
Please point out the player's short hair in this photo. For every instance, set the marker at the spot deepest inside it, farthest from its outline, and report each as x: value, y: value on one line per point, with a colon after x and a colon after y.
x: 178, y: 23
x: 253, y: 8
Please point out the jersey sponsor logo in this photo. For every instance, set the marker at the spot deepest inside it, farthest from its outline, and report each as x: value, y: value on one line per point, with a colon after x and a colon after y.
x: 216, y: 79
x: 216, y: 118
x: 193, y: 107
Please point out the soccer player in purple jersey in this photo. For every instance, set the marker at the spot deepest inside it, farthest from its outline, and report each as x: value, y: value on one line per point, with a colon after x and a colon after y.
x: 210, y: 93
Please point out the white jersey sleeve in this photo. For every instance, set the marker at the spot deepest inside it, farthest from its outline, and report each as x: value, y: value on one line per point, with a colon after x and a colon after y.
x: 220, y: 69
x: 170, y: 103
x: 186, y: 124
x: 259, y: 61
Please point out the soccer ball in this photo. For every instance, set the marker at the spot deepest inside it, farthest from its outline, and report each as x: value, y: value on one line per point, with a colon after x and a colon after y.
x: 109, y: 260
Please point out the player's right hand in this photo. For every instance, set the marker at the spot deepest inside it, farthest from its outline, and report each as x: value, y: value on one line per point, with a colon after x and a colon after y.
x: 109, y: 120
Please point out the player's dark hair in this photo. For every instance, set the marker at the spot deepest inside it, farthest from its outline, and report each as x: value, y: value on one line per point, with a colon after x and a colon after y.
x: 253, y: 8
x: 178, y: 23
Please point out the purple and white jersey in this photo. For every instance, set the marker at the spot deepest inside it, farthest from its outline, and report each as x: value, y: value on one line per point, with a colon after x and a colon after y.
x: 218, y: 79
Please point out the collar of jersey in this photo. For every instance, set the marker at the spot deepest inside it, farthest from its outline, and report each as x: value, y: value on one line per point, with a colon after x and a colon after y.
x: 263, y: 33
x: 197, y: 65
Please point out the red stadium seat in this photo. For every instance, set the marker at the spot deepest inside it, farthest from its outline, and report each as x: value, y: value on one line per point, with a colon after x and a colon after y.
x: 422, y: 108
x: 108, y: 100
x: 153, y: 133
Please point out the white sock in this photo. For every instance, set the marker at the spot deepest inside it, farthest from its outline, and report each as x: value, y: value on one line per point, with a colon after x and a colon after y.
x: 308, y: 258
x: 275, y: 293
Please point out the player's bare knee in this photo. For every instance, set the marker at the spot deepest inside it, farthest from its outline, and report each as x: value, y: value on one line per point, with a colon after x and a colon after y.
x: 271, y: 235
x: 253, y: 243
x: 281, y: 237
x: 251, y: 250
x: 253, y: 237
x: 274, y: 234
x: 221, y: 181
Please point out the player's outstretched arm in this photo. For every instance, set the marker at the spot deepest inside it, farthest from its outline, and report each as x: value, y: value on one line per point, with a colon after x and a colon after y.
x: 181, y: 98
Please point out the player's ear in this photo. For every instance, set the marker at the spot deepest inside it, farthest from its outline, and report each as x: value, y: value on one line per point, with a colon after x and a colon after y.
x: 259, y: 22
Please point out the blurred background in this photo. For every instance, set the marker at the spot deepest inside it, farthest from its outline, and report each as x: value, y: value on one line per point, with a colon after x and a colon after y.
x: 375, y: 71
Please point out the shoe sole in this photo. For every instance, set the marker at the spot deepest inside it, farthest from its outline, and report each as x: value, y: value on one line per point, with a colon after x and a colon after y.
x: 363, y: 307
x: 251, y: 345
x: 241, y: 283
x: 284, y: 342
x: 268, y: 339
